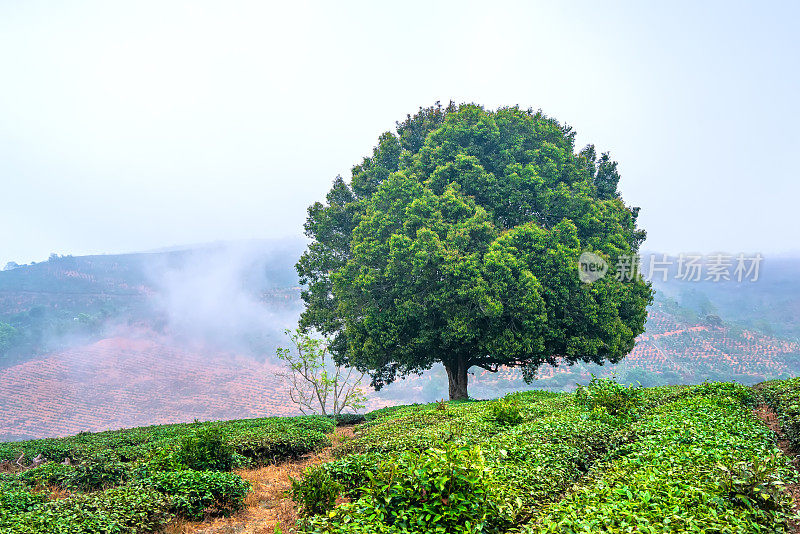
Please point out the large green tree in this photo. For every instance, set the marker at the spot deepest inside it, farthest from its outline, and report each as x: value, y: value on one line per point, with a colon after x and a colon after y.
x: 458, y: 241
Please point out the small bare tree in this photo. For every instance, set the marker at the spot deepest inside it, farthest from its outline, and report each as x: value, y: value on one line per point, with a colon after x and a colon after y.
x: 316, y: 384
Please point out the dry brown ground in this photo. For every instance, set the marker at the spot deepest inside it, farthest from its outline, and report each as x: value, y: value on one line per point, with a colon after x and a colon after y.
x: 268, y: 504
x: 770, y: 418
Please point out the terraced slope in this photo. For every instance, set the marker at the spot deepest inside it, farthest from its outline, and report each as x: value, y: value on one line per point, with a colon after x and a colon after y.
x: 123, y: 382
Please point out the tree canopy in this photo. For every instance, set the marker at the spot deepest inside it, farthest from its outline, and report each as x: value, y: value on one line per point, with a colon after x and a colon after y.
x: 458, y: 241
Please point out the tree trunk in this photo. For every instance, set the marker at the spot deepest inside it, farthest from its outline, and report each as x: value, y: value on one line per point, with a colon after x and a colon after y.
x: 457, y: 378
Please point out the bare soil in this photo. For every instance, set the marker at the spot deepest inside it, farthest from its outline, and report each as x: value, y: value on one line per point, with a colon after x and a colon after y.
x: 268, y: 505
x: 770, y: 418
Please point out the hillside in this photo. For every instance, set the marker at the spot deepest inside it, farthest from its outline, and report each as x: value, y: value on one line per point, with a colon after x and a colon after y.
x: 605, y: 458
x: 145, y: 378
x: 104, y: 342
x: 125, y: 382
x: 68, y: 301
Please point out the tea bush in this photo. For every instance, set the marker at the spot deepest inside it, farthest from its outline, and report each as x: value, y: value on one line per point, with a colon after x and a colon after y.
x: 205, y: 450
x: 98, y: 471
x: 119, y: 510
x: 50, y: 474
x: 681, y: 471
x: 316, y: 493
x: 418, y: 426
x: 605, y: 396
x: 438, y: 490
x: 349, y: 419
x: 263, y: 440
x: 195, y: 494
x: 15, y: 498
x: 756, y: 483
x: 154, y: 461
x: 351, y: 471
x: 506, y: 411
x: 531, y: 462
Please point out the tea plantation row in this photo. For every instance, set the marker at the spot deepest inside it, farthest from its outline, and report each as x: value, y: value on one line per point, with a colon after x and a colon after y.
x: 783, y: 396
x: 263, y: 439
x: 137, y: 480
x: 605, y: 459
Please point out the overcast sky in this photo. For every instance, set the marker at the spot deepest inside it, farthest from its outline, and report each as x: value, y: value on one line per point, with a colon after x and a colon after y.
x: 130, y: 126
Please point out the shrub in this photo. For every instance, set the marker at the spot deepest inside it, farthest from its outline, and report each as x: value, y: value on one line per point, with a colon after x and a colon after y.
x: 386, y: 412
x: 756, y: 483
x: 681, y: 472
x: 99, y: 471
x: 316, y: 492
x: 606, y: 395
x: 279, y: 437
x: 438, y: 490
x: 349, y: 419
x: 195, y: 494
x: 15, y: 498
x: 50, y: 474
x: 317, y: 423
x: 206, y: 450
x: 506, y: 411
x: 165, y: 459
x: 289, y: 442
x: 783, y: 396
x: 127, y: 509
x: 351, y: 471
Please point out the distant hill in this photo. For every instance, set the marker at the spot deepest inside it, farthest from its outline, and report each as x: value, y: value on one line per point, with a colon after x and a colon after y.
x: 672, y: 351
x: 770, y: 305
x: 69, y: 301
x: 125, y: 340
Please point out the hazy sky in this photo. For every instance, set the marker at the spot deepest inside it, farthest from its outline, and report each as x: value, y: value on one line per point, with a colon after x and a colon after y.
x: 138, y: 125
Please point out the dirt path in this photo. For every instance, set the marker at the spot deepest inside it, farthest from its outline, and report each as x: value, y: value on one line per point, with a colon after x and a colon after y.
x: 770, y: 418
x: 267, y: 505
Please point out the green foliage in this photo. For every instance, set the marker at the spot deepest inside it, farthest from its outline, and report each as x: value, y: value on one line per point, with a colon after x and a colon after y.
x: 506, y: 411
x: 607, y: 458
x: 50, y: 474
x: 680, y: 470
x: 351, y: 471
x: 119, y: 510
x: 206, y: 450
x: 757, y: 483
x: 438, y: 490
x: 98, y: 471
x: 531, y: 462
x: 195, y: 494
x: 166, y: 459
x: 262, y: 440
x: 15, y: 498
x: 152, y: 462
x: 316, y: 493
x: 436, y: 246
x: 604, y: 395
x: 691, y: 459
x: 417, y: 427
x: 346, y: 419
x: 783, y: 396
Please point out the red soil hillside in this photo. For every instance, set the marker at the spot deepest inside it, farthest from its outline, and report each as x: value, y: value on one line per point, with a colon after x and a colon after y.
x: 685, y: 353
x: 144, y: 379
x: 123, y: 382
